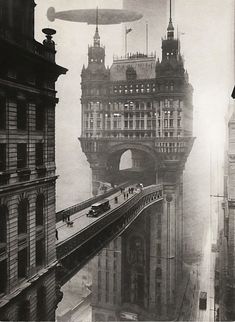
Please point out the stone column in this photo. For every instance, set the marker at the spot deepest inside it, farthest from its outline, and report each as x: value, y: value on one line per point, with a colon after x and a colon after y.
x: 169, y: 240
x: 98, y: 176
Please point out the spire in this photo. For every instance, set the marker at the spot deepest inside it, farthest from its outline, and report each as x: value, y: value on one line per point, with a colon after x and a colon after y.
x: 97, y: 36
x: 170, y: 28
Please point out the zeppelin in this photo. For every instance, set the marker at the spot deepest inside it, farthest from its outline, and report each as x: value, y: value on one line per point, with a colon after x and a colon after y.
x: 106, y: 16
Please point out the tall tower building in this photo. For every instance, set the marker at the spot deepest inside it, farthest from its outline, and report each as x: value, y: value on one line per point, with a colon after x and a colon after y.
x: 143, y: 105
x: 27, y: 166
x: 155, y: 16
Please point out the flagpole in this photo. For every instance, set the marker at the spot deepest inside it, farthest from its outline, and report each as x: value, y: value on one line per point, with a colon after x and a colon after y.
x: 125, y: 41
x: 147, y: 38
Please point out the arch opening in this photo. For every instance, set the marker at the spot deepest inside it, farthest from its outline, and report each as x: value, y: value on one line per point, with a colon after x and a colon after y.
x: 131, y: 164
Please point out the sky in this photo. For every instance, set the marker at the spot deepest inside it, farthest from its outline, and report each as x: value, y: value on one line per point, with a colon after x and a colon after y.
x: 206, y: 32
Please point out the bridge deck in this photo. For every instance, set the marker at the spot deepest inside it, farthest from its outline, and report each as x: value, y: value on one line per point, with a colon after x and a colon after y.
x: 81, y: 221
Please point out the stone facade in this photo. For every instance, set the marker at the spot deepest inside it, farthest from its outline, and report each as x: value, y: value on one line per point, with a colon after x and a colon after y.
x: 27, y: 167
x: 138, y: 272
x: 143, y: 104
x: 140, y: 103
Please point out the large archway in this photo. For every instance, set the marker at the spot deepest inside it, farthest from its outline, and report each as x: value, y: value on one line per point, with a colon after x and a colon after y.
x: 131, y: 163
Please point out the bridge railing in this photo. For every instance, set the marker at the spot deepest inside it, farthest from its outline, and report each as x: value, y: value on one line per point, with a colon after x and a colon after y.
x: 133, y: 205
x: 87, y: 203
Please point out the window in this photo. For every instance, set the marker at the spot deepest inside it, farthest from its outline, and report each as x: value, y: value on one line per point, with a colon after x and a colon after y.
x: 171, y: 123
x: 22, y: 263
x: 149, y: 124
x: 142, y: 124
x: 22, y: 216
x: 21, y: 155
x: 114, y: 283
x: 41, y: 304
x: 178, y: 123
x: 2, y: 157
x: 98, y: 124
x: 39, y: 154
x: 3, y: 225
x: 39, y: 210
x: 3, y: 276
x: 39, y: 252
x: 2, y: 113
x: 21, y: 115
x: 24, y: 311
x: 40, y: 117
x: 159, y: 250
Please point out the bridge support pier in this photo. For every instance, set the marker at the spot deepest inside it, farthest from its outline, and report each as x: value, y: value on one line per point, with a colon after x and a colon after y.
x: 171, y: 241
x: 99, y: 175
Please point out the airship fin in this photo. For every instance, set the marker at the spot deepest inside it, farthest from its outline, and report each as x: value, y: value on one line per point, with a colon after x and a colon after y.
x: 51, y: 14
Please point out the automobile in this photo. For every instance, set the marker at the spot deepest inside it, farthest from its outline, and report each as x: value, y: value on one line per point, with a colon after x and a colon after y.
x: 99, y: 208
x: 202, y: 300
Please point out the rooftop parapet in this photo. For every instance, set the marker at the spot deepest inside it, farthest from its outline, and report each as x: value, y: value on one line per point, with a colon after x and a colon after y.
x: 136, y: 56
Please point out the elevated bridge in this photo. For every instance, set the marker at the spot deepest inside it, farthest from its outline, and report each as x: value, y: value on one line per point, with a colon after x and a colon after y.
x: 78, y: 244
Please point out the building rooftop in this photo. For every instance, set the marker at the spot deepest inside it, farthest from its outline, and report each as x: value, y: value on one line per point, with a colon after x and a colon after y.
x: 144, y: 66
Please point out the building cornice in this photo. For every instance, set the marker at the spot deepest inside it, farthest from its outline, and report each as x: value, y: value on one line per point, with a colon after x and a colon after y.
x: 12, y: 188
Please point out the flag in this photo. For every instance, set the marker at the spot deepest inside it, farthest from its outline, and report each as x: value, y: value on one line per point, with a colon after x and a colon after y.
x: 128, y: 30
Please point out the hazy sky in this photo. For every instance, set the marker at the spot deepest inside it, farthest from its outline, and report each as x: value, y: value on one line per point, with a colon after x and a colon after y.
x: 207, y: 45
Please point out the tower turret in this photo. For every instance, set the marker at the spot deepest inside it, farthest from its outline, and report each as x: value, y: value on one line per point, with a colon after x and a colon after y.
x: 170, y: 45
x: 96, y: 53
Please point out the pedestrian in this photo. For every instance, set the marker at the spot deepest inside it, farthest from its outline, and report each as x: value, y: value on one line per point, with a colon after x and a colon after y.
x: 63, y: 217
x: 116, y: 199
x: 124, y: 195
x: 127, y: 195
x: 68, y: 218
x: 56, y: 234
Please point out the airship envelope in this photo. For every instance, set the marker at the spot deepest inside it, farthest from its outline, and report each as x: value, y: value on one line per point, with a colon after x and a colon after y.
x: 105, y: 16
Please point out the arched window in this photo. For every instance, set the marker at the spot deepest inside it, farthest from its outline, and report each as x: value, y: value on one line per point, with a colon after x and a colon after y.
x: 40, y: 210
x: 3, y: 224
x: 22, y: 216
